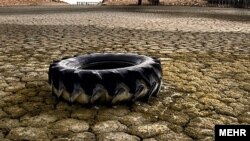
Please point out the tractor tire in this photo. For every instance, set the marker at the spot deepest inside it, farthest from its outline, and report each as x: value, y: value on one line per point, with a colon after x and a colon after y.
x: 106, y: 78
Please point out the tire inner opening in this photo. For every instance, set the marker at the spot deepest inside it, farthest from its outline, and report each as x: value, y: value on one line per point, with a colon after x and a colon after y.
x: 107, y: 65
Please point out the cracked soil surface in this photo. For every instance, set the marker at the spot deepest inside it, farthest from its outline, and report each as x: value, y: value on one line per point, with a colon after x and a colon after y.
x: 205, y: 54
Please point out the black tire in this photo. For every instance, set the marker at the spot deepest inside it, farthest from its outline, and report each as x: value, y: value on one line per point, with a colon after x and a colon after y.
x: 109, y: 78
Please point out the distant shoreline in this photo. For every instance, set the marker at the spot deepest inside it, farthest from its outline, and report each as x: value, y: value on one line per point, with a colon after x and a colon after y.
x: 104, y: 2
x: 15, y: 3
x: 37, y: 3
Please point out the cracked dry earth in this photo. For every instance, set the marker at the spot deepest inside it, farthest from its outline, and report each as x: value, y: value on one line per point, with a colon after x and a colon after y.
x: 205, y: 54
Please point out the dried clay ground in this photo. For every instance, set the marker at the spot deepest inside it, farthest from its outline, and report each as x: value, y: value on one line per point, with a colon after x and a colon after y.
x: 205, y: 54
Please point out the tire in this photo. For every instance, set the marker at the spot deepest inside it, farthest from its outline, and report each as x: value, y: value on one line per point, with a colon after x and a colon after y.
x: 106, y: 78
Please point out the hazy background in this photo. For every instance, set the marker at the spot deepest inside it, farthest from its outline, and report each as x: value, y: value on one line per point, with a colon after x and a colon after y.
x: 74, y: 1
